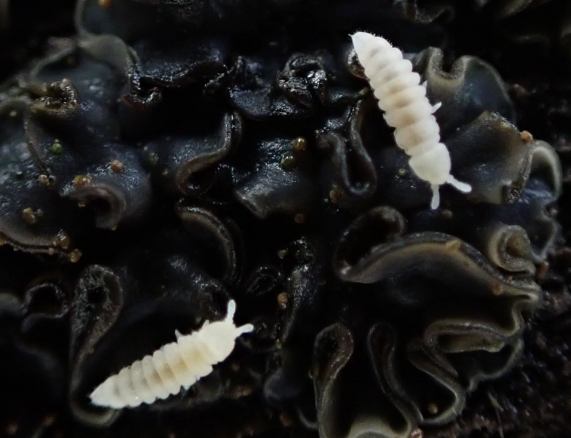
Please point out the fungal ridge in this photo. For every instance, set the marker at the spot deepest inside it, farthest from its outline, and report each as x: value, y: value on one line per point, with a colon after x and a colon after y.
x: 402, y: 97
x: 174, y: 366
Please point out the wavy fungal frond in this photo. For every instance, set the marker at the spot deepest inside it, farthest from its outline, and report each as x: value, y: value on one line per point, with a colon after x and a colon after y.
x: 174, y: 366
x: 403, y: 99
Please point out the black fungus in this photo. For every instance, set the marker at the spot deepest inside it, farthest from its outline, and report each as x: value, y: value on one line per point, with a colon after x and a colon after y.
x: 172, y: 155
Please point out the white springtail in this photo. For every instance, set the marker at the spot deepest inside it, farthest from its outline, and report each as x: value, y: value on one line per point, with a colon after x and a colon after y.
x: 175, y: 366
x: 407, y: 109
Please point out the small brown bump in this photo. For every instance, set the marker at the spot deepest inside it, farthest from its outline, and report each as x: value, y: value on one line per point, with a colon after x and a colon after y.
x: 44, y: 180
x: 446, y: 213
x: 49, y: 420
x: 30, y: 216
x: 75, y: 256
x: 282, y: 299
x: 542, y: 270
x: 526, y: 136
x: 335, y: 194
x: 285, y: 419
x: 497, y: 289
x: 12, y: 428
x: 288, y: 162
x: 432, y: 408
x: 299, y: 144
x: 62, y: 240
x: 81, y: 181
x: 117, y: 166
x: 243, y: 391
x: 299, y: 218
x: 105, y: 3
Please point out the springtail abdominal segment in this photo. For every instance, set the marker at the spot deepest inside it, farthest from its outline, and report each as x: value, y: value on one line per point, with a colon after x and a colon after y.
x: 175, y: 366
x: 403, y: 99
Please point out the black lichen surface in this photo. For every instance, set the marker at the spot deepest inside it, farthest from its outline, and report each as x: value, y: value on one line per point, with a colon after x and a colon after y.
x: 175, y: 154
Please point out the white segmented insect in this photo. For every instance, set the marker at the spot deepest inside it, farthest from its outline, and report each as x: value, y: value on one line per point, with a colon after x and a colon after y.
x: 403, y: 99
x: 175, y: 366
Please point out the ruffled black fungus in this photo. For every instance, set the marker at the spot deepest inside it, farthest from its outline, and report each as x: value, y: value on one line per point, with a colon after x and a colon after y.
x: 182, y: 153
x: 34, y: 308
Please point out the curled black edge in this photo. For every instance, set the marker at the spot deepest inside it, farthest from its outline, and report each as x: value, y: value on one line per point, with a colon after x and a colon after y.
x: 231, y: 134
x: 113, y: 51
x: 303, y: 289
x: 428, y: 357
x: 509, y: 8
x: 389, y: 225
x: 64, y: 93
x: 104, y: 184
x: 191, y: 165
x: 329, y: 361
x: 263, y: 101
x: 324, y: 379
x: 340, y: 153
x: 207, y: 223
x: 39, y: 316
x: 46, y: 244
x: 136, y: 99
x: 509, y: 248
x: 545, y: 163
x: 426, y: 353
x: 444, y: 86
x: 425, y: 14
x: 511, y: 178
x: 373, y: 266
x: 445, y: 11
x: 304, y: 80
x: 125, y: 192
x: 491, y: 113
x: 30, y: 319
x: 273, y: 189
x: 504, y: 227
x: 88, y: 324
x: 381, y: 349
x: 144, y: 87
x: 105, y: 49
